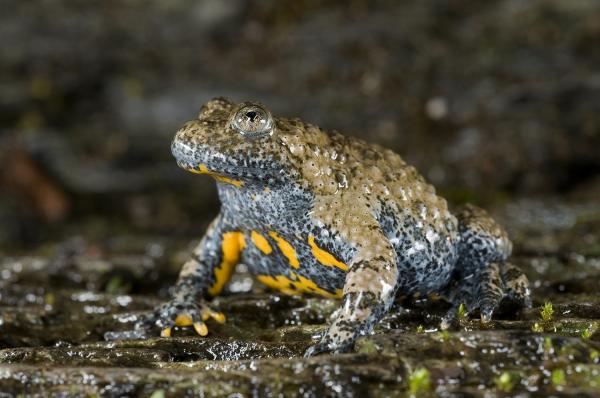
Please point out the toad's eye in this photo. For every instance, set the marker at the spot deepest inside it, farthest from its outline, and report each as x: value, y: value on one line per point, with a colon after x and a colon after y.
x: 252, y: 120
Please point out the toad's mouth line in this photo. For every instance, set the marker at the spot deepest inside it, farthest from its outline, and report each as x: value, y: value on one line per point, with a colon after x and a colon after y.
x: 235, y: 175
x: 202, y: 169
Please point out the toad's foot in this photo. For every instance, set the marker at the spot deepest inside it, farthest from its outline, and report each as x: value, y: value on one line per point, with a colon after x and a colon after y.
x: 485, y: 289
x: 331, y: 344
x: 324, y: 346
x: 356, y: 317
x: 181, y: 312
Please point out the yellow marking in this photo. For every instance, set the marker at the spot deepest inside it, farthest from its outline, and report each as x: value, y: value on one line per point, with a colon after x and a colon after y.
x: 308, y: 285
x: 207, y: 313
x: 219, y: 317
x: 324, y: 257
x: 287, y: 249
x: 278, y: 282
x: 261, y: 242
x: 298, y: 286
x: 183, y: 320
x: 202, y: 169
x: 166, y: 332
x: 201, y: 328
x: 232, y: 245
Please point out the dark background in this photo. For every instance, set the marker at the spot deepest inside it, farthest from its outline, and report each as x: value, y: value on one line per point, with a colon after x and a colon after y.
x: 490, y: 100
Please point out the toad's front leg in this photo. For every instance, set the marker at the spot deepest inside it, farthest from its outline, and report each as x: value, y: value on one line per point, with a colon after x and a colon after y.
x: 204, y: 275
x: 368, y: 294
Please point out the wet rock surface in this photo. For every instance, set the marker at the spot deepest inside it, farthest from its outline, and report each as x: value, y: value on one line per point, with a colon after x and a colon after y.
x: 62, y: 305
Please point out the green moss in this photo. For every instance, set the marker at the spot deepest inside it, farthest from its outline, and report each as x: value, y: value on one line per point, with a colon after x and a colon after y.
x: 114, y: 285
x: 49, y: 298
x: 419, y: 382
x: 548, y: 346
x: 537, y: 328
x: 558, y: 377
x: 507, y: 381
x: 444, y: 335
x: 547, y: 312
x: 590, y: 330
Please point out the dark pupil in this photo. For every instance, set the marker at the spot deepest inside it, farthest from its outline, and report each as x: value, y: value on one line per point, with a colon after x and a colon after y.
x: 251, y: 115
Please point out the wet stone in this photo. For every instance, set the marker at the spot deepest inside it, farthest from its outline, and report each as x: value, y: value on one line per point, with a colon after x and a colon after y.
x: 83, y: 356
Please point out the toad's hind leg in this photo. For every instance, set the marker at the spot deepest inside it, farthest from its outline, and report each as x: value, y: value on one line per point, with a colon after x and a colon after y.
x: 482, y: 277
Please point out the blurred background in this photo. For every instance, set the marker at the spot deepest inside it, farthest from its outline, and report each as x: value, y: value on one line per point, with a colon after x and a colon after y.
x: 491, y: 100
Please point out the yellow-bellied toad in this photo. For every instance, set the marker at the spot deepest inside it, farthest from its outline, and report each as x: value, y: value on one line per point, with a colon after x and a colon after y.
x: 315, y: 212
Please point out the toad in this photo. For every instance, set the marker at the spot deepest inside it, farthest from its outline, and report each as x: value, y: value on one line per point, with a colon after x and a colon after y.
x: 320, y: 213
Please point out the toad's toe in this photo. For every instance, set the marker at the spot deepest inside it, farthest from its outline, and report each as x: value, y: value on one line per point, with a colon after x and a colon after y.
x: 182, y: 314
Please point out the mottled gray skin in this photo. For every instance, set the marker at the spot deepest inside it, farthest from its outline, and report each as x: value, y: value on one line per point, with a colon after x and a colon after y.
x: 382, y: 225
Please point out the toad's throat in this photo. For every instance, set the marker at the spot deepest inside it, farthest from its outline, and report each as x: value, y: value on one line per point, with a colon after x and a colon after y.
x: 202, y: 169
